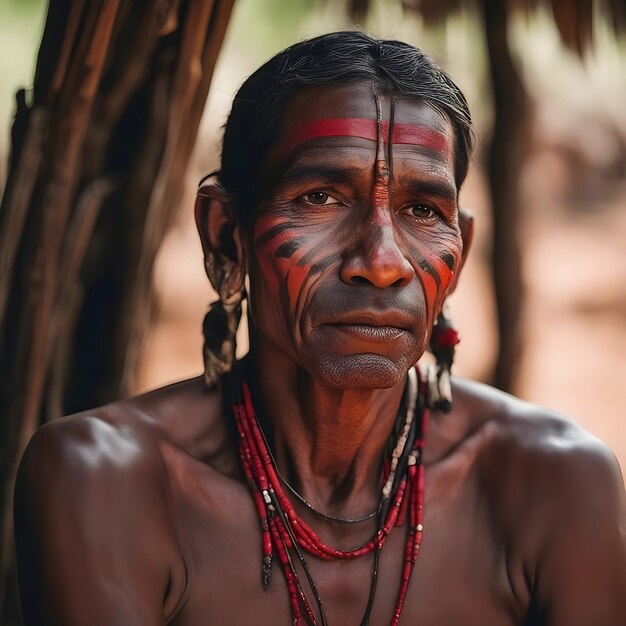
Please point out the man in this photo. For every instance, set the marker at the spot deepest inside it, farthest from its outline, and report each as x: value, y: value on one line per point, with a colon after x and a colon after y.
x: 300, y: 486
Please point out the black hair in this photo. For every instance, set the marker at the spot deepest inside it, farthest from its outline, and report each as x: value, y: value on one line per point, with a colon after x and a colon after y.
x: 254, y: 123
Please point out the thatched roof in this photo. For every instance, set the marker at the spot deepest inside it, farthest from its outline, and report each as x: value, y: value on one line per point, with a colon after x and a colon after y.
x: 573, y: 18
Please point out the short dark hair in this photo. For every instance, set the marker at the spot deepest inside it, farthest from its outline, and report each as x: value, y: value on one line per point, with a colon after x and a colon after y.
x: 337, y: 58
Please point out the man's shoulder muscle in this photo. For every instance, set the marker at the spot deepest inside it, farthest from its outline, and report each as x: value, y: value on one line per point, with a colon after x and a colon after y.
x: 559, y: 495
x: 549, y: 452
x: 91, y: 499
x: 92, y: 446
x: 542, y: 456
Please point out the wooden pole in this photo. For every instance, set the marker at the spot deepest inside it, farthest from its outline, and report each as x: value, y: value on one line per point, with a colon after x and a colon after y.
x: 507, y: 150
x: 98, y: 159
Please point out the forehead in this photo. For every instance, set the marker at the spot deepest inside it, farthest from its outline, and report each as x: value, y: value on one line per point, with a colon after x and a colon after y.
x: 324, y: 116
x: 359, y: 101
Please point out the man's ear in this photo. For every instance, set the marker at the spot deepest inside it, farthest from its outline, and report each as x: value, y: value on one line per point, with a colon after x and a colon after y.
x: 466, y: 224
x: 222, y: 244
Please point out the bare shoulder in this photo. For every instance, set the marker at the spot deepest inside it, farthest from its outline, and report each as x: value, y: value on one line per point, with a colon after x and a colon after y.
x: 106, y: 441
x: 536, y: 450
x: 549, y: 446
x: 91, y: 467
x: 126, y: 438
x: 97, y: 480
x: 555, y: 489
x: 552, y: 450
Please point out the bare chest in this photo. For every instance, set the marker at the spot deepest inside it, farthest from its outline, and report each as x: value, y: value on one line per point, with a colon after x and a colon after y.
x: 460, y: 575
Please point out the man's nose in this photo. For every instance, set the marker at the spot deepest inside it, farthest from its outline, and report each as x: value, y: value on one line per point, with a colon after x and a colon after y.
x: 376, y: 258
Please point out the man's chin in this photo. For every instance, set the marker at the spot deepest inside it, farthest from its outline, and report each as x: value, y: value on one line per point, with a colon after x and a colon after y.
x: 359, y: 371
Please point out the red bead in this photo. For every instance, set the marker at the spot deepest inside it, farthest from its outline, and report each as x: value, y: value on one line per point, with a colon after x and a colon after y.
x: 280, y: 522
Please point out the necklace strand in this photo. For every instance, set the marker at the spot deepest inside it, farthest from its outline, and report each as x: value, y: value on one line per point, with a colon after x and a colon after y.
x: 282, y: 529
x: 327, y: 516
x: 308, y: 505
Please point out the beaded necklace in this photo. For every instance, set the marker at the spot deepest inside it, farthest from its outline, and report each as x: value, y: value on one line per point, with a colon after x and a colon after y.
x: 284, y: 532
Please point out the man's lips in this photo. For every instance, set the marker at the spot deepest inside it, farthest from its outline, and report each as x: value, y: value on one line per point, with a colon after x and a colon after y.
x: 369, y: 333
x: 390, y: 318
x: 372, y: 325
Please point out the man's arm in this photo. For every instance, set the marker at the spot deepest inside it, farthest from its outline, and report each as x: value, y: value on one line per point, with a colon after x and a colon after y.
x: 580, y: 575
x: 93, y: 536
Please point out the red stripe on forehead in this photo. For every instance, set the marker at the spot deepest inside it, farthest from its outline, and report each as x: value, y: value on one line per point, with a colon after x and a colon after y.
x: 366, y: 128
x: 420, y: 136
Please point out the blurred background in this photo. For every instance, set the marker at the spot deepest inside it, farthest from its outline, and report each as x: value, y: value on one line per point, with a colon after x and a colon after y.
x: 566, y: 87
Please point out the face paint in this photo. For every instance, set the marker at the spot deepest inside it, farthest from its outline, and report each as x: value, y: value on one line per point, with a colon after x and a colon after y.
x: 300, y: 248
x: 380, y: 189
x: 288, y: 259
x: 368, y: 129
x: 435, y: 274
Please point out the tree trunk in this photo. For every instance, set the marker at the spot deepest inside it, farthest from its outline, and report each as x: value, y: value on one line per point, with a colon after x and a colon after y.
x: 97, y: 162
x: 507, y: 151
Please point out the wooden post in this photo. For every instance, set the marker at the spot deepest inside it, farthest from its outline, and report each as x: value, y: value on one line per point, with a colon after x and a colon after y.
x: 507, y: 150
x: 98, y: 158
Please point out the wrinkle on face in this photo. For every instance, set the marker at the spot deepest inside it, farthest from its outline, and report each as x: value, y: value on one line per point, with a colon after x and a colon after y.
x: 298, y: 248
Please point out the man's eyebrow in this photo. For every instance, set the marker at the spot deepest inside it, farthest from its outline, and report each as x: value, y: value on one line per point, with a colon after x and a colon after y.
x: 440, y: 188
x: 310, y: 172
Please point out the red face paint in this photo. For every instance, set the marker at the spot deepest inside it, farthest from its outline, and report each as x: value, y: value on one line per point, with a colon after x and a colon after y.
x: 306, y: 258
x: 284, y: 268
x: 380, y: 190
x: 430, y: 292
x: 365, y: 128
x: 435, y: 276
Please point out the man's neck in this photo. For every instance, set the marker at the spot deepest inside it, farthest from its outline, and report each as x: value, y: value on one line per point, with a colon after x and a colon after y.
x: 328, y: 443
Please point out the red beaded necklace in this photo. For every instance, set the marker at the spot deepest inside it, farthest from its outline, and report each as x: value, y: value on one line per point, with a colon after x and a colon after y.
x: 283, y: 530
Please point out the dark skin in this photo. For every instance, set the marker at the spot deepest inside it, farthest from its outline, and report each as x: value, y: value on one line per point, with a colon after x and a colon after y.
x: 137, y: 513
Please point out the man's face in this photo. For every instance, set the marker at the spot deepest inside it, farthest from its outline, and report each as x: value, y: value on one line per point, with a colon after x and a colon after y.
x: 356, y: 238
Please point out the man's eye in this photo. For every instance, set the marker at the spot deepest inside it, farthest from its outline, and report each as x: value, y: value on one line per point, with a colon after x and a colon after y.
x: 422, y: 211
x: 319, y: 197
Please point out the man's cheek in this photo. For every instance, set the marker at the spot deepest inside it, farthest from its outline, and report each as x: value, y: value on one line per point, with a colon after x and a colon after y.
x: 435, y: 269
x: 445, y: 265
x: 296, y: 275
x: 429, y: 285
x: 269, y: 272
x: 283, y: 273
x: 269, y: 236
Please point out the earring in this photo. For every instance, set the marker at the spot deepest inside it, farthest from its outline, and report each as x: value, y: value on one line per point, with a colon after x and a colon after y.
x: 443, y: 341
x: 220, y: 339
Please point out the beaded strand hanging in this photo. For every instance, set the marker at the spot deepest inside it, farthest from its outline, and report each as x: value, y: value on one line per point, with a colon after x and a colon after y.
x: 283, y: 531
